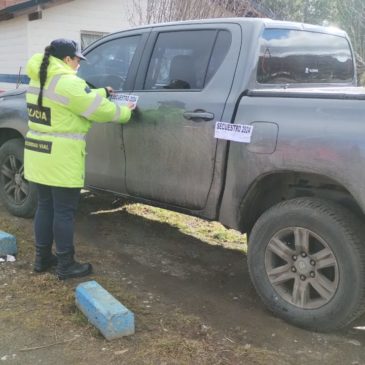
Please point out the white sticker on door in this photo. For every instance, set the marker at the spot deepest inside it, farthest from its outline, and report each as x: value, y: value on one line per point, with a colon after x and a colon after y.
x: 233, y: 132
x: 124, y: 99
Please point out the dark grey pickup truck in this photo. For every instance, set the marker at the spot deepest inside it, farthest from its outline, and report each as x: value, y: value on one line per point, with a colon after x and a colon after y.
x: 296, y: 185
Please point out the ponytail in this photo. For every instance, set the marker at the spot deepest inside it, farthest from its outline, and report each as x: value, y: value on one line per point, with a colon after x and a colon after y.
x: 43, y: 72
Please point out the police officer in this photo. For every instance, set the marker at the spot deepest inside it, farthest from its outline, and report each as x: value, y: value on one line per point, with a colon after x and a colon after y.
x: 61, y: 107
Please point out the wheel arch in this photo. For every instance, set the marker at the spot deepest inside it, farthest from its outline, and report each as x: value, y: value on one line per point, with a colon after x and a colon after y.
x: 271, y: 189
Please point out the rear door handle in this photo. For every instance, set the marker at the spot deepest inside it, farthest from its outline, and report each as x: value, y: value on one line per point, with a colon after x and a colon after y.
x: 198, y: 116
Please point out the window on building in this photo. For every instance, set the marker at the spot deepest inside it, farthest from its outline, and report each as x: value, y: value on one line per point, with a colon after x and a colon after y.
x: 182, y: 59
x: 294, y: 56
x: 89, y: 37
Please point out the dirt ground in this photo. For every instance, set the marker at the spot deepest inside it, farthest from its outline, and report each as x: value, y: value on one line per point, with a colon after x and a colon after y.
x: 192, y: 299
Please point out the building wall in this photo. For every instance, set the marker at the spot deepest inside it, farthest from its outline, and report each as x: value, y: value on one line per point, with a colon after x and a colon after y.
x: 24, y: 38
x: 13, y: 51
x: 69, y: 19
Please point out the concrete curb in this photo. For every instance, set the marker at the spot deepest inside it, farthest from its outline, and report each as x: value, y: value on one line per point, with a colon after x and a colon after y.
x: 8, y: 244
x: 105, y: 312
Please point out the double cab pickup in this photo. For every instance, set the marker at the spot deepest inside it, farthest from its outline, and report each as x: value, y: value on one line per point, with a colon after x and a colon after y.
x: 295, y: 184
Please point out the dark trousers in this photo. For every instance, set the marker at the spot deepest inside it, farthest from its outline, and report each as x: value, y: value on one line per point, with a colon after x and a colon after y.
x: 55, y: 217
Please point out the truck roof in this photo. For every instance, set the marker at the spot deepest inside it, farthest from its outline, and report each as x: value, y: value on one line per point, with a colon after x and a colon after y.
x: 269, y: 23
x: 258, y: 22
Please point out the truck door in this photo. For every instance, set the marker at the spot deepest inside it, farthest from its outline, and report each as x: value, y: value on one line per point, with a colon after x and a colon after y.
x: 111, y: 62
x: 183, y: 83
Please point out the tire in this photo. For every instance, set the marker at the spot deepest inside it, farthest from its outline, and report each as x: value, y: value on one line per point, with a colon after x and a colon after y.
x: 306, y: 259
x: 18, y: 195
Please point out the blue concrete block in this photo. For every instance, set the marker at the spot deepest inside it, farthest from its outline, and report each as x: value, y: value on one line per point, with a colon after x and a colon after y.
x: 105, y: 312
x: 7, y: 244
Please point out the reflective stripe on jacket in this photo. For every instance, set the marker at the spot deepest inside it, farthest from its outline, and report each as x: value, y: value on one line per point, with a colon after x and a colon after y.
x: 55, y: 143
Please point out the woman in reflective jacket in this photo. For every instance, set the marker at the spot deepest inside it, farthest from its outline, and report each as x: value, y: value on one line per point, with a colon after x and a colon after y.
x: 61, y: 109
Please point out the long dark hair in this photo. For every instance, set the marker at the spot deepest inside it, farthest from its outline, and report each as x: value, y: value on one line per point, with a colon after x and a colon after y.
x: 43, y: 72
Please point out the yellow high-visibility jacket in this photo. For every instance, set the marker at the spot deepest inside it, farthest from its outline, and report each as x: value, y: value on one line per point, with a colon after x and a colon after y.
x: 55, y: 143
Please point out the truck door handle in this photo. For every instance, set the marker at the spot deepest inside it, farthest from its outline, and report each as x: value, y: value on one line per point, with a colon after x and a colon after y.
x: 198, y: 115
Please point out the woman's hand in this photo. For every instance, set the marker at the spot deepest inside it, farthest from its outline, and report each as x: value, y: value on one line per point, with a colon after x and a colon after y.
x: 130, y: 105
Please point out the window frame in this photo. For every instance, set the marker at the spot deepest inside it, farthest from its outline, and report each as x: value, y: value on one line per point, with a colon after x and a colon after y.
x: 144, y: 34
x: 98, y: 34
x: 148, y: 52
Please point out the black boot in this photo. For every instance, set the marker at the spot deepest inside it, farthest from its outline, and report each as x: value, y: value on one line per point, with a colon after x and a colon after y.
x: 44, y: 259
x: 67, y: 267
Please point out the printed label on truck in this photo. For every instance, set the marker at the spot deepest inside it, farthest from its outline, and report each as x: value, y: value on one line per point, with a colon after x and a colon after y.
x: 233, y: 132
x: 124, y: 99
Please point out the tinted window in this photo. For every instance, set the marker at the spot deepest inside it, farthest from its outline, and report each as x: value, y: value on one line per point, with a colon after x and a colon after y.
x: 293, y: 56
x: 180, y: 60
x: 108, y: 64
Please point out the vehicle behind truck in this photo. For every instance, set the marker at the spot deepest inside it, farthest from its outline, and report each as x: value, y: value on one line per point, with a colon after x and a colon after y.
x: 296, y: 186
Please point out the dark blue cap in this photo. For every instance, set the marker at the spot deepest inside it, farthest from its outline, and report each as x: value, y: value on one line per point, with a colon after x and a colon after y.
x: 62, y: 48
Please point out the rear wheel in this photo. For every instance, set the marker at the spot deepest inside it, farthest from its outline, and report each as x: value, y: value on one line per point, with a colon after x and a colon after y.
x: 307, y: 261
x: 18, y: 195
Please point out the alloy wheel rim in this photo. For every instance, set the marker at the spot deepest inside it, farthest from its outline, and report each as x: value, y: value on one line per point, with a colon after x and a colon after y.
x: 15, y: 187
x: 302, y: 268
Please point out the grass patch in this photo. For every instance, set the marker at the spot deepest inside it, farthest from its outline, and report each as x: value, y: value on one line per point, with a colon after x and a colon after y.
x: 212, y: 233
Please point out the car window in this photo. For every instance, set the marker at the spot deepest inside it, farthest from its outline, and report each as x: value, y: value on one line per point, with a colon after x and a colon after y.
x: 295, y: 56
x: 180, y: 60
x: 108, y: 64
